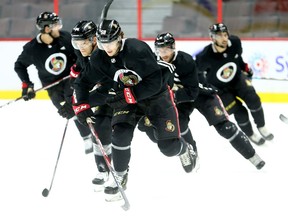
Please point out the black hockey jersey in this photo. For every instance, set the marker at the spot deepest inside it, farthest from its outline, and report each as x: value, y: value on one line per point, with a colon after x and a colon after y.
x: 134, y: 55
x: 185, y: 75
x: 52, y: 61
x: 221, y: 69
x: 104, y: 85
x: 81, y: 62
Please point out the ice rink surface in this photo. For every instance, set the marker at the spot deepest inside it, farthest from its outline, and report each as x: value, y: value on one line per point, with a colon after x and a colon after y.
x: 226, y: 184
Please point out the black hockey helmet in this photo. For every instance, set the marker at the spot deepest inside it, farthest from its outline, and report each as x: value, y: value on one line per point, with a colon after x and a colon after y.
x: 165, y: 40
x: 108, y: 31
x: 47, y: 19
x: 83, y: 30
x: 218, y: 27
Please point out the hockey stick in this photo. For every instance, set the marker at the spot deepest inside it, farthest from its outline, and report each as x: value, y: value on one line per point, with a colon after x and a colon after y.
x: 105, y: 10
x: 45, y: 191
x: 283, y: 118
x: 40, y: 89
x: 126, y: 204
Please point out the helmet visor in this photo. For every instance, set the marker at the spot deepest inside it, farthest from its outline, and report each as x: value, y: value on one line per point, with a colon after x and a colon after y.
x: 161, y: 51
x: 220, y: 35
x: 81, y: 44
x: 57, y: 25
x: 108, y: 45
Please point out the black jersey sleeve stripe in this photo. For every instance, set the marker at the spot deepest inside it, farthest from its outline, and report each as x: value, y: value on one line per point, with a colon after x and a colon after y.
x: 171, y: 67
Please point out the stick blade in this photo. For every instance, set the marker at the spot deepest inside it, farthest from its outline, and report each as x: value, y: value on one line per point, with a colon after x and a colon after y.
x: 126, y: 206
x: 283, y: 118
x: 105, y: 10
x: 45, y: 192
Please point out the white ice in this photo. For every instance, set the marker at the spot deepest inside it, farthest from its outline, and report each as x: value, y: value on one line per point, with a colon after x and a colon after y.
x: 226, y: 184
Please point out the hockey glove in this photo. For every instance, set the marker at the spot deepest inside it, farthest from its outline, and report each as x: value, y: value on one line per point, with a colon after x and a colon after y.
x: 66, y: 111
x: 83, y: 111
x: 247, y: 72
x: 121, y: 99
x: 73, y: 75
x: 207, y: 90
x: 180, y: 94
x: 28, y: 91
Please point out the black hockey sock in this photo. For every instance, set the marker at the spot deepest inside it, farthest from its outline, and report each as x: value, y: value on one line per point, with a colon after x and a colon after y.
x: 258, y: 116
x: 246, y: 127
x: 242, y: 144
x: 242, y: 119
x: 101, y: 163
x: 187, y: 136
x: 83, y: 130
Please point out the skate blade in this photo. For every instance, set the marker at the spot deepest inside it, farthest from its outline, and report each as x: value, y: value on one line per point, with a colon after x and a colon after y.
x: 197, y: 166
x: 113, y: 197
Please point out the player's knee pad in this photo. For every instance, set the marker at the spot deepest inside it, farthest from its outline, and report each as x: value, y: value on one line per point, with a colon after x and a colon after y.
x: 226, y: 129
x: 122, y: 135
x: 169, y: 147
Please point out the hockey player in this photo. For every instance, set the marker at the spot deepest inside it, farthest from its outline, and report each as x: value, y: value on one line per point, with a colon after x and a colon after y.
x: 183, y: 80
x: 207, y: 102
x: 84, y: 41
x: 139, y: 90
x: 222, y: 66
x: 52, y: 54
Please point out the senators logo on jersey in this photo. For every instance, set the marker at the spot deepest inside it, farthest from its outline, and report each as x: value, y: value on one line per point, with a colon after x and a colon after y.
x: 56, y: 63
x: 170, y: 127
x: 127, y: 77
x: 227, y: 72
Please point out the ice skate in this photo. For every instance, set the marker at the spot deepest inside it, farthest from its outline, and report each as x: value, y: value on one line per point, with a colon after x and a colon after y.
x: 111, y: 191
x: 188, y: 158
x: 100, y: 180
x: 257, y: 161
x: 265, y: 133
x: 258, y: 140
x: 88, y: 144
